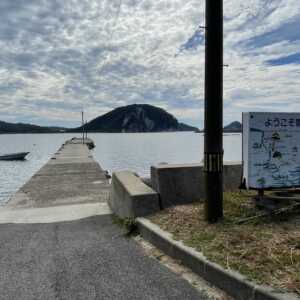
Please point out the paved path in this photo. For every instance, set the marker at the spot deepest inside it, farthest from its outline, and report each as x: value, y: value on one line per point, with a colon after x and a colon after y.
x: 58, y: 240
x: 71, y: 176
x: 84, y: 259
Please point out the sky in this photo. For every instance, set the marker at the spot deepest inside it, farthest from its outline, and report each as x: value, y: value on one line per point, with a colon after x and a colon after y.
x: 58, y: 57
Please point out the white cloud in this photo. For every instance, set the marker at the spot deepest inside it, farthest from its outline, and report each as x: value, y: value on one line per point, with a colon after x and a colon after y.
x: 57, y: 56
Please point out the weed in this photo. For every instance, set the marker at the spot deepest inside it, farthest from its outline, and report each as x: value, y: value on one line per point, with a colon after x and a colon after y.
x: 129, y: 224
x: 265, y: 250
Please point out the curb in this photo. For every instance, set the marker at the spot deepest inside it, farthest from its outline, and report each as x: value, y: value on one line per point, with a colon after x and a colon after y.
x: 233, y: 283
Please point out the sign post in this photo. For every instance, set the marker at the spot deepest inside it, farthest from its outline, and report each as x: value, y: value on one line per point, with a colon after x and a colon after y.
x: 213, y: 139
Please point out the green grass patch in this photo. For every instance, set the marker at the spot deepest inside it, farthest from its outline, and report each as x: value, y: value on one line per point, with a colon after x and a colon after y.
x: 128, y: 224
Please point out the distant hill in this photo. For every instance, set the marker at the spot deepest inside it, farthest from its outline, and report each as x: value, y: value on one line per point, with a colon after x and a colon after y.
x: 131, y: 118
x: 27, y: 128
x: 185, y: 127
x: 233, y: 127
x: 137, y: 118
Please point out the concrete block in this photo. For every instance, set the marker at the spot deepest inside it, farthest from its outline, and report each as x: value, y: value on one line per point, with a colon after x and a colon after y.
x: 181, y: 184
x: 176, y: 249
x: 130, y: 197
x: 232, y: 176
x: 178, y: 184
x: 231, y: 282
x: 263, y: 292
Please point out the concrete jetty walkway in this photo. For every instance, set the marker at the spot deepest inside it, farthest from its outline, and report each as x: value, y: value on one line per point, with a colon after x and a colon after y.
x: 58, y: 240
x: 72, y: 176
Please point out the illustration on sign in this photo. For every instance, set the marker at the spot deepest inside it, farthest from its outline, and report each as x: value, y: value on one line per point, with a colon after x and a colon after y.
x: 271, y: 150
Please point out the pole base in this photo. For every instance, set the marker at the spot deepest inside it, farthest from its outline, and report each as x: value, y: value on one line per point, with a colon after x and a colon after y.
x: 213, y: 196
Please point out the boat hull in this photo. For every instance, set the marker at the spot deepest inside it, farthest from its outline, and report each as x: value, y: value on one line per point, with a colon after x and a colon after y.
x: 14, y: 156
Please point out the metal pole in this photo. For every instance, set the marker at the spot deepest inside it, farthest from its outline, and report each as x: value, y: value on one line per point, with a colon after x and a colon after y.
x: 86, y: 133
x: 213, y: 139
x: 82, y: 127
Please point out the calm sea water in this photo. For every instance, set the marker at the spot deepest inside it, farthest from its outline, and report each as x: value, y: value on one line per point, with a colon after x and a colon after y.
x: 136, y: 152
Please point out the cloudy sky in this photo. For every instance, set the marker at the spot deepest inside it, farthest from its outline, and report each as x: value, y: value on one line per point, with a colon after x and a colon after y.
x: 59, y: 56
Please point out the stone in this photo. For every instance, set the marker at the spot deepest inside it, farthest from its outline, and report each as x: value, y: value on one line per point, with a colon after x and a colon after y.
x: 130, y: 197
x: 184, y: 183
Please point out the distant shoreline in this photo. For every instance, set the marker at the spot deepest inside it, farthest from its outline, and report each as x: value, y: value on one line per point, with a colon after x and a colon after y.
x: 80, y: 132
x: 69, y: 132
x: 224, y: 131
x: 134, y: 118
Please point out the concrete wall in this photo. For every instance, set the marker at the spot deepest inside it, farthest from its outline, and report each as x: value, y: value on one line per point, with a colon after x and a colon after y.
x: 130, y: 197
x: 179, y: 184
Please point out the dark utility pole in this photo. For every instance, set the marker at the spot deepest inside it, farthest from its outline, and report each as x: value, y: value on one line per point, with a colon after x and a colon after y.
x: 213, y: 140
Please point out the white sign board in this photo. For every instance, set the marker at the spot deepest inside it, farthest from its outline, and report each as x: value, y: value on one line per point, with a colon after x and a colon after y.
x: 271, y: 150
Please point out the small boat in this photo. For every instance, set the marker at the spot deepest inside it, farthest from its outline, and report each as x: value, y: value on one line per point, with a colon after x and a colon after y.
x: 14, y: 156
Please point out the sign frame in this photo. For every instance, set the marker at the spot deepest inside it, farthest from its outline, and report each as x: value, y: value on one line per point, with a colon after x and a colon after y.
x: 271, y: 150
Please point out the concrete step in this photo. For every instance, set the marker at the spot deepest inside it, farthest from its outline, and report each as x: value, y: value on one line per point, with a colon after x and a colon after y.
x: 52, y: 214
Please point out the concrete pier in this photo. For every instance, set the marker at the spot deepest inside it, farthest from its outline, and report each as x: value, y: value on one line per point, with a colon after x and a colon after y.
x: 71, y: 176
x: 58, y: 240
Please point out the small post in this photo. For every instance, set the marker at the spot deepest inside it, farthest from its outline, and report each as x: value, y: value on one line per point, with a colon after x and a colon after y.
x: 86, y: 135
x: 213, y: 138
x: 82, y: 127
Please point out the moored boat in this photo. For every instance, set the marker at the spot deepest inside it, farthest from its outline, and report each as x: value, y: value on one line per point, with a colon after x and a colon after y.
x: 14, y: 156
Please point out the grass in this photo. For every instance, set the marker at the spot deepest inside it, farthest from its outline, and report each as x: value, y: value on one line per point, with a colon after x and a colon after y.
x: 265, y: 250
x: 128, y: 224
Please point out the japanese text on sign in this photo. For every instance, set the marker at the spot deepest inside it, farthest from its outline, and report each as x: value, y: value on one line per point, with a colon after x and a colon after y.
x: 282, y: 122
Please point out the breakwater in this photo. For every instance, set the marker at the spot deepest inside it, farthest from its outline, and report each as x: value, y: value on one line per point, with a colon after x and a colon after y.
x: 71, y: 176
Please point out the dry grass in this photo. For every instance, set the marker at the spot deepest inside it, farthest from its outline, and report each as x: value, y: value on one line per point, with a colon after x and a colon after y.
x: 266, y: 250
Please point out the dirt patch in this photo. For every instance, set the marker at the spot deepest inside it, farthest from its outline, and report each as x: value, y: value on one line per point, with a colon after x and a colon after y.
x: 266, y: 250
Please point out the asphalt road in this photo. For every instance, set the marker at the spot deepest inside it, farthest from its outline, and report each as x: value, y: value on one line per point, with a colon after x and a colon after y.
x: 83, y: 259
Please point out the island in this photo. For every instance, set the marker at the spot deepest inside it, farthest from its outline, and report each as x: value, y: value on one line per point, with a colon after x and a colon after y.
x: 131, y: 118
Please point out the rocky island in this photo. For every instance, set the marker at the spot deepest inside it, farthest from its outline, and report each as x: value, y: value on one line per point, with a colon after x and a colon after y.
x: 130, y: 118
x: 137, y: 118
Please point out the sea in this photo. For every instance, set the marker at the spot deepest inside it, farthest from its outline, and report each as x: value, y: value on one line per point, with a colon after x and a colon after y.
x: 114, y: 152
